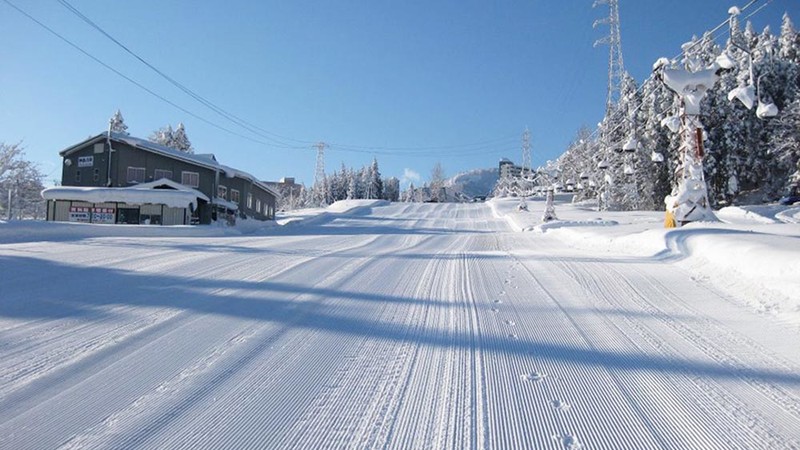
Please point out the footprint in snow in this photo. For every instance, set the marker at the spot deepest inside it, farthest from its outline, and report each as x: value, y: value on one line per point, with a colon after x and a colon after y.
x: 513, y: 337
x: 533, y: 377
x: 495, y: 310
x: 510, y: 322
x: 502, y: 292
x: 560, y: 405
x: 569, y: 441
x: 498, y: 301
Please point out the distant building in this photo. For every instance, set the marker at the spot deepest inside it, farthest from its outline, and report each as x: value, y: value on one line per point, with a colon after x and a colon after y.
x: 509, y: 170
x: 290, y: 193
x: 116, y: 178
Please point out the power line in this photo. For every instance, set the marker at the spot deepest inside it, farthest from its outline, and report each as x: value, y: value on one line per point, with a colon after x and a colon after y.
x: 641, y: 87
x: 255, y: 129
x: 129, y: 79
x: 204, y: 101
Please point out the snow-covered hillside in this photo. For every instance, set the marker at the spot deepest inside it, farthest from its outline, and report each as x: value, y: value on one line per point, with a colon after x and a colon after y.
x: 375, y: 325
x: 475, y: 183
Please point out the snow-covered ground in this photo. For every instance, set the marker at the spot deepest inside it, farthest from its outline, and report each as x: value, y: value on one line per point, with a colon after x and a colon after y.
x: 753, y: 253
x: 372, y: 325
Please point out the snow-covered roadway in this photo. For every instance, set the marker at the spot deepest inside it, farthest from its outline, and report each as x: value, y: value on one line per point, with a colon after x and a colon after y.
x: 403, y: 326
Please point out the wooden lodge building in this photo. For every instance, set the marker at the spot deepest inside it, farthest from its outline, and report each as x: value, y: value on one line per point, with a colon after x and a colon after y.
x: 116, y: 178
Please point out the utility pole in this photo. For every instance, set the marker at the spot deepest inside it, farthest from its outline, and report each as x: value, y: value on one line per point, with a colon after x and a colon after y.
x: 319, y: 175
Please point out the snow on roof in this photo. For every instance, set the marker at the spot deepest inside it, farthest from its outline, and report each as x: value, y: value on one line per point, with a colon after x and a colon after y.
x: 206, y: 156
x: 162, y: 182
x: 226, y: 204
x: 207, y: 160
x: 173, y: 198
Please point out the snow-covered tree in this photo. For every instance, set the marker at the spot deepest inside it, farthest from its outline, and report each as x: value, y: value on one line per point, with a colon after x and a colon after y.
x: 352, y: 185
x: 789, y: 41
x: 180, y: 141
x: 23, y: 181
x: 175, y: 139
x: 164, y: 136
x: 375, y: 181
x: 391, y: 189
x: 436, y: 183
x: 749, y: 155
x: 784, y: 147
x: 118, y: 124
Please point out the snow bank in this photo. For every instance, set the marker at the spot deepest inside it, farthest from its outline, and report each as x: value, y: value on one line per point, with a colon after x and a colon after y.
x: 789, y: 215
x: 42, y: 231
x: 752, y: 254
x: 37, y: 231
x: 745, y: 215
x: 316, y: 216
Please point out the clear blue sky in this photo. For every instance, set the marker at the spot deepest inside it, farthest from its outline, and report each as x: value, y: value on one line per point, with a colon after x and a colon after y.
x: 372, y: 74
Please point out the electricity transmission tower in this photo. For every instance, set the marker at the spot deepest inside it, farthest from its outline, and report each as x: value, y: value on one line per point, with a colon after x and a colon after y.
x: 526, y: 154
x: 319, y: 175
x: 616, y: 73
x: 616, y: 68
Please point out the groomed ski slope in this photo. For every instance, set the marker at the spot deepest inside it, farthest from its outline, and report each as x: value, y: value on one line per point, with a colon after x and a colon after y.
x: 400, y: 326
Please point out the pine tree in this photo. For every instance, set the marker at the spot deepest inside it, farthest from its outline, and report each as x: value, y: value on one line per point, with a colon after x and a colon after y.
x: 163, y: 136
x: 436, y: 183
x: 180, y: 141
x: 391, y: 191
x: 118, y: 124
x: 784, y: 147
x: 789, y: 41
x: 352, y: 185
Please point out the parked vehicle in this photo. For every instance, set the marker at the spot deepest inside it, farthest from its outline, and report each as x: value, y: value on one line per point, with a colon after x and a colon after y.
x: 791, y: 197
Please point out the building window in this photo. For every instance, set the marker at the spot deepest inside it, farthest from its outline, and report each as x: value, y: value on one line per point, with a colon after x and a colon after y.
x: 222, y: 192
x: 258, y: 206
x: 234, y: 196
x: 161, y: 173
x: 78, y: 176
x: 249, y: 201
x: 135, y: 174
x: 96, y: 174
x: 191, y: 179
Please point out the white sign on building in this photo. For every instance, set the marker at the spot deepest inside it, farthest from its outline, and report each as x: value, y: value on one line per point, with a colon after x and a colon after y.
x: 85, y: 161
x: 103, y: 215
x: 79, y: 214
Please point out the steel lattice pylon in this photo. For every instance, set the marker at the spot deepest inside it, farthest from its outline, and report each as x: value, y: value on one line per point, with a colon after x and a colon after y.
x: 526, y: 154
x: 319, y: 175
x: 616, y: 68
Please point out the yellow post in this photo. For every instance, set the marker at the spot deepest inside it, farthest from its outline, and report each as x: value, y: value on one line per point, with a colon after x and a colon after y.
x: 669, y: 220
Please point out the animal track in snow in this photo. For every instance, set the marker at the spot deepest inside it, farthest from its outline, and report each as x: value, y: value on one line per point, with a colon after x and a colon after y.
x: 513, y: 336
x: 498, y: 301
x: 510, y: 322
x: 495, y: 309
x: 533, y: 376
x: 560, y: 405
x: 569, y: 441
